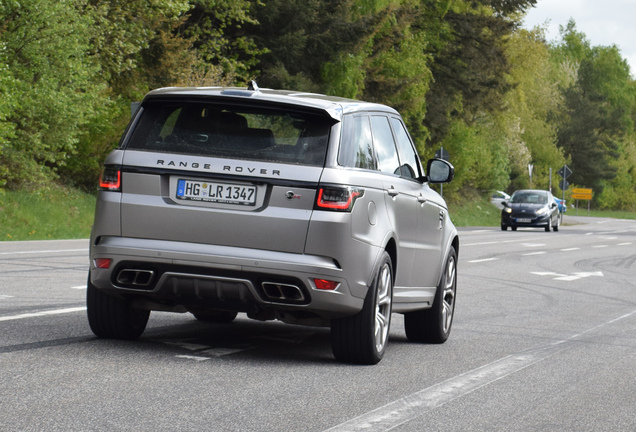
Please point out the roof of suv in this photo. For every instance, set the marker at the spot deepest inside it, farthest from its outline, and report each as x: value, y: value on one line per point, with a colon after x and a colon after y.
x: 332, y: 105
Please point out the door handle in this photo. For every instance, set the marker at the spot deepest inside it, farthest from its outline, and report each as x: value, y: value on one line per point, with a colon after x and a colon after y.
x: 393, y: 191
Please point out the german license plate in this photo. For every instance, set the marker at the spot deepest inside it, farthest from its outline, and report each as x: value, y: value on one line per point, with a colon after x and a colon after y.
x: 524, y: 220
x: 226, y: 193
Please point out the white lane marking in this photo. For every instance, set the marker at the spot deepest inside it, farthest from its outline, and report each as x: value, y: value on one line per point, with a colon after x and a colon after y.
x: 483, y: 260
x: 624, y: 244
x: 516, y: 240
x: 532, y: 244
x: 79, y: 287
x: 481, y: 243
x: 191, y: 357
x: 43, y: 313
x: 4, y: 296
x: 535, y: 253
x: 570, y: 249
x: 600, y: 246
x: 569, y: 278
x: 416, y: 404
x: 547, y: 274
x: 587, y: 274
x: 44, y: 251
x: 204, y: 350
x: 186, y: 345
x: 220, y: 352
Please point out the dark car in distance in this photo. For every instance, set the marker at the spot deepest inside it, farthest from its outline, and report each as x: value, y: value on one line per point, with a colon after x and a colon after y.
x: 532, y: 209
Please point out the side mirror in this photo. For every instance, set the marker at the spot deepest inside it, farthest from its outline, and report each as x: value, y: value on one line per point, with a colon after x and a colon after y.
x: 504, y: 203
x: 439, y: 171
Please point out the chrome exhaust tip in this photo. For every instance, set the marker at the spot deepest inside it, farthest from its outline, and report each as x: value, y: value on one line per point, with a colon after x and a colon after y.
x: 135, y: 277
x: 283, y: 292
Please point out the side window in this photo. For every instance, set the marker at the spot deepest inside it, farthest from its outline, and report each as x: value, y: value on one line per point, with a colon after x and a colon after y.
x: 410, y: 166
x: 356, y: 148
x: 384, y: 145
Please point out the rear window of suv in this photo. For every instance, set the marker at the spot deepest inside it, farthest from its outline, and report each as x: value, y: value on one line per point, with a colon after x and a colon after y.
x: 232, y: 131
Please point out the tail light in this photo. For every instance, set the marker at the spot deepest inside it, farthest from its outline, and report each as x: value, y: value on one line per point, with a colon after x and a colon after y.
x: 110, y: 178
x: 338, y: 198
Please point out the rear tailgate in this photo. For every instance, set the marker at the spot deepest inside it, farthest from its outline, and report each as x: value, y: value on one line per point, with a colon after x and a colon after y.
x: 247, y: 204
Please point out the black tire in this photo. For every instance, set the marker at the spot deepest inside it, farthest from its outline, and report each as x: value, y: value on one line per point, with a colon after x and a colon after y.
x: 112, y: 317
x: 547, y: 227
x: 513, y: 228
x: 504, y: 228
x: 215, y: 316
x: 555, y: 228
x: 434, y: 325
x: 362, y: 338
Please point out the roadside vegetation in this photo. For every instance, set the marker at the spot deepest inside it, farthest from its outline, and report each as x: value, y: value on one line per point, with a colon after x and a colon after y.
x: 49, y: 214
x: 605, y: 213
x: 464, y: 74
x: 477, y: 212
x: 57, y: 213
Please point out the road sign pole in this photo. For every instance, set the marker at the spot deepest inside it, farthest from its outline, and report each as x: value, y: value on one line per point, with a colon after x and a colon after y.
x: 441, y: 185
x: 442, y: 154
x: 564, y: 200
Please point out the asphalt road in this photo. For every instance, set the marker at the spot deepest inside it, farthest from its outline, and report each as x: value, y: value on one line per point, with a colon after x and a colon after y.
x: 544, y: 339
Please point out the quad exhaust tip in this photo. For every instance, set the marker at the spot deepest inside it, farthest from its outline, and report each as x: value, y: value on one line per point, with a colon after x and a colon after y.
x: 134, y: 277
x: 283, y: 292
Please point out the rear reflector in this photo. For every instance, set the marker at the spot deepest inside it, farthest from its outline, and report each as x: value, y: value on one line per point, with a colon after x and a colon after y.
x: 327, y: 285
x: 102, y: 263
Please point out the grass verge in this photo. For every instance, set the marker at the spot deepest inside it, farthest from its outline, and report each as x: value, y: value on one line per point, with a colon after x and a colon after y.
x: 479, y: 212
x: 615, y: 214
x: 47, y: 214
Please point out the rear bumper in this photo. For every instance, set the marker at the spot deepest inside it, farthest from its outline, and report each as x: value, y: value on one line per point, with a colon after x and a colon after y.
x: 221, y: 277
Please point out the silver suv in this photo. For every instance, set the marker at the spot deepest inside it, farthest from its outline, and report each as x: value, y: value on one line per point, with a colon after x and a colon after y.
x: 305, y: 208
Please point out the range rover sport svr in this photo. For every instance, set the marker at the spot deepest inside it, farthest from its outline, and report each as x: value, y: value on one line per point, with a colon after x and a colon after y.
x: 304, y: 208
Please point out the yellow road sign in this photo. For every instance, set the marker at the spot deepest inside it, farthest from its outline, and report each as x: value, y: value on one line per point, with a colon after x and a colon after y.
x: 582, y: 193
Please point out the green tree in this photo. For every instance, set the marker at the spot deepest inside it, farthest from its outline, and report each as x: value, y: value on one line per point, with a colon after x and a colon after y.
x: 137, y: 43
x: 7, y: 105
x: 75, y: 65
x: 217, y: 30
x: 533, y: 97
x: 397, y: 71
x: 620, y: 192
x: 598, y: 110
x: 300, y: 37
x: 54, y: 94
x: 470, y: 65
x: 137, y: 47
